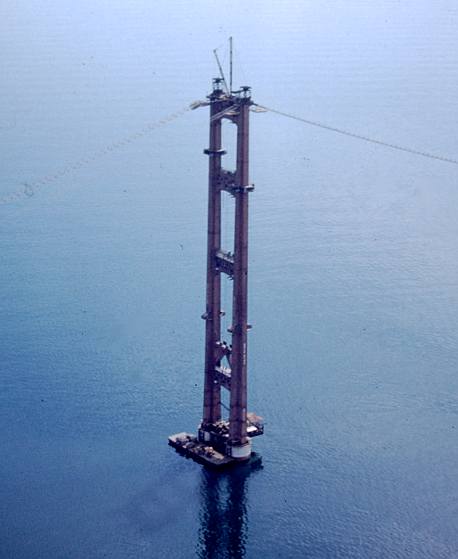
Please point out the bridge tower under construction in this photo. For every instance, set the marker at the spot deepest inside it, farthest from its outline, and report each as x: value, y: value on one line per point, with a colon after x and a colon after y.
x: 223, y: 440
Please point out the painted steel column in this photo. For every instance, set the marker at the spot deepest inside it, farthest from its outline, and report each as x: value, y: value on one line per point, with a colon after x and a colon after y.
x: 238, y: 401
x: 212, y: 390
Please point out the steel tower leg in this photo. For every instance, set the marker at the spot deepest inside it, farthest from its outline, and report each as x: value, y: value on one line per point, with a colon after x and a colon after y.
x: 238, y: 403
x: 212, y: 390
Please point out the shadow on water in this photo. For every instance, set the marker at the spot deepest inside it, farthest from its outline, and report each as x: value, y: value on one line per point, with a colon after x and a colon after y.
x: 223, y: 512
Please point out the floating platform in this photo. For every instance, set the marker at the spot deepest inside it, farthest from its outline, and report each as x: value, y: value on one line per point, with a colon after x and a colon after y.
x: 188, y: 445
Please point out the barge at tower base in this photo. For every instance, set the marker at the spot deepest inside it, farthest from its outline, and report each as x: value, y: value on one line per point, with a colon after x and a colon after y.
x: 214, y: 453
x: 219, y: 441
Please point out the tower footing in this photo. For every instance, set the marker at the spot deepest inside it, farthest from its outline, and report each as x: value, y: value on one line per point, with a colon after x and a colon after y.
x: 189, y: 445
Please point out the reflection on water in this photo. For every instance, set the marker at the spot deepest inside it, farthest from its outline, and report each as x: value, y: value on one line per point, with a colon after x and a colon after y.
x: 223, y: 513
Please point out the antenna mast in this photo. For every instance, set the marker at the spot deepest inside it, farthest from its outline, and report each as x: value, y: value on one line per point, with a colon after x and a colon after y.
x: 230, y: 64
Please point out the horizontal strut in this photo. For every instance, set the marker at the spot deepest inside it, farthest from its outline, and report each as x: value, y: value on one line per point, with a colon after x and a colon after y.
x: 223, y: 376
x: 224, y: 262
x: 215, y: 151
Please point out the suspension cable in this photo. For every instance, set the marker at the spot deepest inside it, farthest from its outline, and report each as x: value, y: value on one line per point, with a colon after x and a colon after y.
x: 359, y: 136
x: 29, y: 189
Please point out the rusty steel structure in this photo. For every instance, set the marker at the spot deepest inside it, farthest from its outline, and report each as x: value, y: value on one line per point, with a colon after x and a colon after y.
x: 222, y: 440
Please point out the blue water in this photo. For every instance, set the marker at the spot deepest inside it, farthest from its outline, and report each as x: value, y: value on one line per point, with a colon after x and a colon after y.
x: 353, y: 286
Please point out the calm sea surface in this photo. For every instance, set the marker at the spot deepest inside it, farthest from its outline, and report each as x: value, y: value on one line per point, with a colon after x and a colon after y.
x: 353, y: 284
